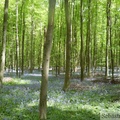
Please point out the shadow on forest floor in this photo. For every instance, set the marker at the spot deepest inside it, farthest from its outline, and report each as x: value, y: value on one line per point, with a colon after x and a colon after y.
x: 19, y: 99
x: 55, y: 113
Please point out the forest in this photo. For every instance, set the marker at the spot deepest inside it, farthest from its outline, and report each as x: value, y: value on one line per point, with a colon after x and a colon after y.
x: 59, y: 59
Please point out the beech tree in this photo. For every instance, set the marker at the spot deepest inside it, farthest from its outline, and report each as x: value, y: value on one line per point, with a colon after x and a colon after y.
x: 17, y: 40
x: 4, y: 38
x: 23, y: 34
x: 46, y: 60
x: 68, y: 45
x: 108, y: 36
x: 88, y: 40
x: 82, y: 46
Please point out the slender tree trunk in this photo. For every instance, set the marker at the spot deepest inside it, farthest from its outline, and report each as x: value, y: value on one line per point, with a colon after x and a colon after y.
x: 46, y: 60
x: 88, y: 41
x: 112, y: 57
x: 74, y: 52
x: 81, y: 35
x: 68, y: 44
x: 23, y: 36
x: 2, y: 57
x: 17, y: 40
x: 40, y: 48
x: 32, y: 38
x: 111, y: 43
x: 95, y: 39
x: 31, y: 49
x: 107, y: 38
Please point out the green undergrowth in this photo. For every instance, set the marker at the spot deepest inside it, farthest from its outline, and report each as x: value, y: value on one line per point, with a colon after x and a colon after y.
x: 19, y: 99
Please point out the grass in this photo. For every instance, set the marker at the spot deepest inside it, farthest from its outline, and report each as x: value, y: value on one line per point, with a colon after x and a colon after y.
x: 19, y: 99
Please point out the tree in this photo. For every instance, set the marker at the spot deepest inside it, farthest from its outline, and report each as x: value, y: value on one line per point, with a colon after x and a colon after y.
x: 68, y: 44
x: 17, y: 40
x: 108, y: 36
x: 32, y: 38
x: 46, y: 60
x: 23, y: 34
x: 111, y: 43
x: 95, y: 38
x: 4, y: 37
x: 81, y: 35
x: 88, y: 39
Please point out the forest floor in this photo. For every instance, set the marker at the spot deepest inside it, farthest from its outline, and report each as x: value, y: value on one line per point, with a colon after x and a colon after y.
x: 87, y: 100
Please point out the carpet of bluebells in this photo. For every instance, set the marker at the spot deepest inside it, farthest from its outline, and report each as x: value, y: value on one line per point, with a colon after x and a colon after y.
x: 19, y: 99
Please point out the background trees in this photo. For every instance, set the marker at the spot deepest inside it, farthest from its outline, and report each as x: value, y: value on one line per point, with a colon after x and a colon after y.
x: 89, y: 48
x: 86, y: 37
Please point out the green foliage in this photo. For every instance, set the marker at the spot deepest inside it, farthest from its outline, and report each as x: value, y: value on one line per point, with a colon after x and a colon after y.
x: 38, y: 11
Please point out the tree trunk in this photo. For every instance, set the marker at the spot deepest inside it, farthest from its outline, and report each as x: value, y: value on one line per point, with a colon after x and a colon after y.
x: 31, y: 45
x: 81, y: 35
x: 68, y: 41
x: 95, y: 40
x: 107, y: 38
x: 46, y: 60
x: 23, y: 36
x: 88, y: 41
x: 111, y: 44
x: 17, y: 40
x: 2, y: 57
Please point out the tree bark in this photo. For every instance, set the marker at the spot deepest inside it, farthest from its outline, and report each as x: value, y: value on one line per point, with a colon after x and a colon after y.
x: 88, y: 41
x: 95, y: 39
x: 107, y: 38
x: 81, y: 35
x: 31, y: 45
x: 17, y: 40
x: 111, y: 43
x: 23, y: 36
x: 2, y: 57
x: 68, y: 45
x: 46, y: 60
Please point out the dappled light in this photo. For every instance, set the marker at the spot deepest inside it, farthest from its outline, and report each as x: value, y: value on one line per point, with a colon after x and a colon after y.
x: 59, y: 59
x: 87, y: 100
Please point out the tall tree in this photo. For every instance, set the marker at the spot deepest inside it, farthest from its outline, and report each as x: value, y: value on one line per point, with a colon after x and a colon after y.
x: 32, y: 38
x: 95, y: 38
x: 88, y: 40
x: 111, y: 42
x: 23, y: 34
x: 108, y: 36
x: 4, y: 36
x: 17, y: 40
x: 89, y: 37
x: 68, y: 45
x: 46, y: 60
x: 81, y: 35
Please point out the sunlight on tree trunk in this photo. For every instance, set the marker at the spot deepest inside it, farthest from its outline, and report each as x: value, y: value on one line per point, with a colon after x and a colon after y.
x: 23, y: 35
x: 68, y: 42
x: 82, y: 46
x: 17, y: 41
x: 46, y: 60
x: 32, y: 39
x: 111, y: 44
x: 2, y: 58
x: 95, y: 40
x: 107, y: 37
